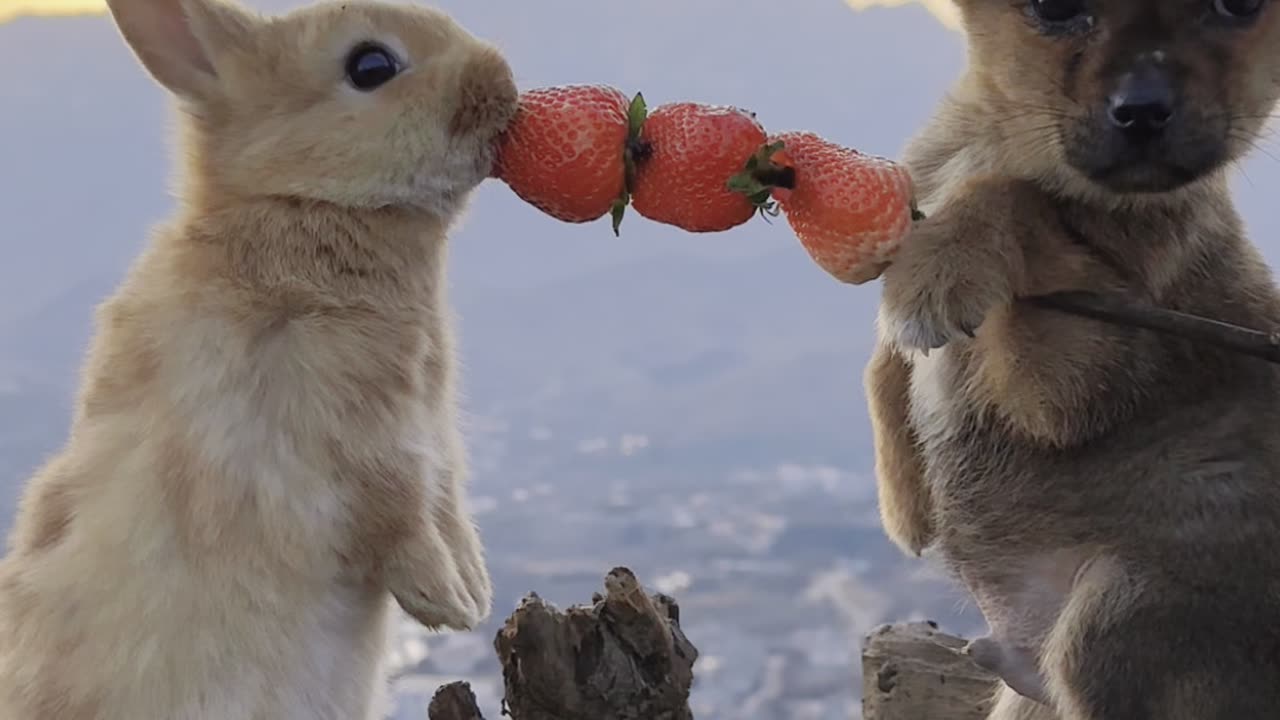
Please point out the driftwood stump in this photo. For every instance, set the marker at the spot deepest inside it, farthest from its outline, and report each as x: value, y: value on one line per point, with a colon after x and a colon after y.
x: 454, y: 701
x: 911, y: 671
x: 623, y: 657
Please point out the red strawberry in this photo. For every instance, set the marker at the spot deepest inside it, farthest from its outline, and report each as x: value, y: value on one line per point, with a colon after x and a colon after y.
x: 691, y: 151
x: 565, y: 151
x: 849, y: 210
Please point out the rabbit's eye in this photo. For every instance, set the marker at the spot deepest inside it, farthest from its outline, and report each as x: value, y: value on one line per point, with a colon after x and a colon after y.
x: 369, y: 66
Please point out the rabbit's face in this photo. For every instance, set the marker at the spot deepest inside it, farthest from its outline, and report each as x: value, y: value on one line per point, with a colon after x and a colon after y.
x: 359, y: 104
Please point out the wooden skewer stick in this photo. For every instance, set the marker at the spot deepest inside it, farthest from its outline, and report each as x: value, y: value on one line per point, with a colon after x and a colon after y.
x: 1118, y: 311
x: 1192, y: 327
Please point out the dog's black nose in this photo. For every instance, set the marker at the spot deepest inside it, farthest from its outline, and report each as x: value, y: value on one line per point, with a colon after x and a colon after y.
x: 1143, y: 103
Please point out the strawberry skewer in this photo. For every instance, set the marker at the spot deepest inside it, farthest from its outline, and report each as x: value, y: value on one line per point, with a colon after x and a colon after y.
x: 579, y: 152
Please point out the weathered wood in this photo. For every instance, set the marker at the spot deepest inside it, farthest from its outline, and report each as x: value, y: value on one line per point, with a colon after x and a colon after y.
x: 912, y: 671
x: 624, y: 657
x: 454, y: 701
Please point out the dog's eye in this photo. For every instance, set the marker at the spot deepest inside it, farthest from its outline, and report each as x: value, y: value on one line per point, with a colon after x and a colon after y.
x: 1060, y: 11
x: 370, y: 66
x: 1237, y: 8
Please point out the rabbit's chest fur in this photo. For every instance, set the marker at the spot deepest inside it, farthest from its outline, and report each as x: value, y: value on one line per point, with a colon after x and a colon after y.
x: 226, y: 493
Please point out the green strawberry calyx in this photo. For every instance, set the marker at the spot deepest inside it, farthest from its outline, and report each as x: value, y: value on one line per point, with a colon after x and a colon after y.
x: 760, y: 175
x: 634, y: 149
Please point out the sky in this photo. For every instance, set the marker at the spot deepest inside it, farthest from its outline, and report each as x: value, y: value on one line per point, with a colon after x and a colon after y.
x: 942, y: 9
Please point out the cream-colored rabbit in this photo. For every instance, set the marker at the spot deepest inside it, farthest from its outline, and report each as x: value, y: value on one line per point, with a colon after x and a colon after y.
x: 264, y: 450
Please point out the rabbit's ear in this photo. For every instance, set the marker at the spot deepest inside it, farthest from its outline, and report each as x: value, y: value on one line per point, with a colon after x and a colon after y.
x: 180, y: 42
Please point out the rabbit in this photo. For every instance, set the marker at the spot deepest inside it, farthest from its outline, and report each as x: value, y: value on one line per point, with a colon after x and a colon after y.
x: 264, y: 457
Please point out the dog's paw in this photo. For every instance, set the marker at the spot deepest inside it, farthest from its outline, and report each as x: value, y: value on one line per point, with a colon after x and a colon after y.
x: 1015, y: 666
x: 941, y: 289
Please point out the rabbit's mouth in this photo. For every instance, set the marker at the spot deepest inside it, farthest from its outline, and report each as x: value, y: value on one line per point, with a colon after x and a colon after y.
x: 442, y: 188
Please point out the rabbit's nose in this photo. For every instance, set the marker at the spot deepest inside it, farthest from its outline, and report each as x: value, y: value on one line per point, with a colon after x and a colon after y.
x: 487, y: 94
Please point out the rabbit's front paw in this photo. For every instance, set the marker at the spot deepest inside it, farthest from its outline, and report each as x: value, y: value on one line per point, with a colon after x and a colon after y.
x: 430, y: 586
x: 462, y: 539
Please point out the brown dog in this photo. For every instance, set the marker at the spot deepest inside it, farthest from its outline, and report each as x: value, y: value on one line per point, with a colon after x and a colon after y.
x: 1110, y: 497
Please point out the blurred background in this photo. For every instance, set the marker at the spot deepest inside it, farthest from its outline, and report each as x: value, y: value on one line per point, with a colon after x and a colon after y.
x: 686, y: 405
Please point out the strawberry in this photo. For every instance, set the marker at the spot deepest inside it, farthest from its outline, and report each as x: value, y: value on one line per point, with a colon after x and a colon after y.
x: 567, y: 150
x: 691, y: 152
x: 849, y: 210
